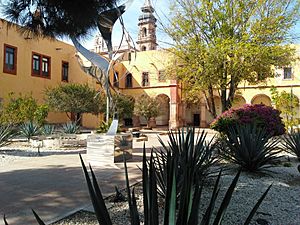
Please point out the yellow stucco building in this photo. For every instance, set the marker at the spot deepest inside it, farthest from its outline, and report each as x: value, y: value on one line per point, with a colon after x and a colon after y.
x: 146, y: 74
x: 29, y: 66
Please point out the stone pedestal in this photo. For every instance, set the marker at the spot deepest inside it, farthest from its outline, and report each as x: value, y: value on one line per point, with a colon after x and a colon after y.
x: 106, y: 149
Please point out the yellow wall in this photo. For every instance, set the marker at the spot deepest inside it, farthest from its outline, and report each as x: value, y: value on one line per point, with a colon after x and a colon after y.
x: 23, y: 82
x: 151, y: 62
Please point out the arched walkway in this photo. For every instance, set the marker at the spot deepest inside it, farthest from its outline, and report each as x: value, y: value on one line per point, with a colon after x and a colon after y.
x: 238, y: 101
x: 261, y: 99
x: 164, y: 117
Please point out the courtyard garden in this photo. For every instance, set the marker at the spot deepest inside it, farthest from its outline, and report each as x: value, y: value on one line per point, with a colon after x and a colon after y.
x: 246, y: 173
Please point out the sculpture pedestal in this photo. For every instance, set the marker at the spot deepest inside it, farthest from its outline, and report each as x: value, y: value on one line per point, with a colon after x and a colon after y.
x: 107, y: 149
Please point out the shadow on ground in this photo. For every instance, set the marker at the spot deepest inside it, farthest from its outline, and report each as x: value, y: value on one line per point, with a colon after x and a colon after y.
x: 53, y: 191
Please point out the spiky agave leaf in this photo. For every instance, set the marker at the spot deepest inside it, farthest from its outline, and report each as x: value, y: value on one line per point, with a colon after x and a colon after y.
x: 190, y: 152
x: 96, y: 197
x: 207, y: 216
x: 4, y: 219
x: 134, y: 215
x: 70, y: 128
x: 6, y: 133
x: 291, y: 142
x: 250, y: 147
x: 226, y: 200
x: 29, y: 129
x: 38, y: 219
x: 253, y: 211
x: 48, y: 129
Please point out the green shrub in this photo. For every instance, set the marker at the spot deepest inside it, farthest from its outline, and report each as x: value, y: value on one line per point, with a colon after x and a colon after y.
x: 264, y: 117
x: 75, y: 99
x: 124, y: 105
x: 147, y: 106
x: 70, y: 128
x: 22, y: 109
x: 104, y: 127
x: 250, y: 147
x: 29, y: 129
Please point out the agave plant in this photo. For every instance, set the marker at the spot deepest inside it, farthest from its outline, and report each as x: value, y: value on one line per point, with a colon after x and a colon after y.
x: 186, y: 212
x: 291, y: 142
x: 188, y: 150
x: 6, y: 133
x: 70, y: 128
x: 250, y: 147
x: 179, y: 214
x: 48, y: 129
x: 29, y: 129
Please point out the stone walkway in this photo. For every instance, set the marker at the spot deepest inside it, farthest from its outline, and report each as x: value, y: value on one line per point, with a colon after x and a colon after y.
x: 54, y: 186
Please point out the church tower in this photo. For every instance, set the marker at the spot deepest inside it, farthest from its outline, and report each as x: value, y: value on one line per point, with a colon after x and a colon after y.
x: 147, y: 28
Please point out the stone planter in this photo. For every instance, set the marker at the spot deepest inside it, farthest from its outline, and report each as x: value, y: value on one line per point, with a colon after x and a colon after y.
x: 106, y: 149
x: 152, y: 123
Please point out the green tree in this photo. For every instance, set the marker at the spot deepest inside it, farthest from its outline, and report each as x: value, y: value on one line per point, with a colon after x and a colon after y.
x: 220, y: 43
x: 75, y: 99
x: 56, y: 18
x: 147, y: 107
x: 124, y: 105
x: 287, y: 104
x: 23, y: 109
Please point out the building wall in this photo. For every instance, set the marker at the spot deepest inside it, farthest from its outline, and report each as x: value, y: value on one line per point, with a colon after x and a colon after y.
x: 23, y: 82
x: 153, y: 62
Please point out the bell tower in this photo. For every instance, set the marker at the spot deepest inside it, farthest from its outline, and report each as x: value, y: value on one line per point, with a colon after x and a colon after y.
x: 147, y: 28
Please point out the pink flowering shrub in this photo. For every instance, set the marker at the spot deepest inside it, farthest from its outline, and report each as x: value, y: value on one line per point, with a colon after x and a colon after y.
x: 263, y: 116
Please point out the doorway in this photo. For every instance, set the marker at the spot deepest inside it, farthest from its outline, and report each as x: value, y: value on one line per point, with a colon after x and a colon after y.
x: 196, y: 120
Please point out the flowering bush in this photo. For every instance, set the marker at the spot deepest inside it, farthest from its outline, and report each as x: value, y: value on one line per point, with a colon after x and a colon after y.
x: 261, y: 115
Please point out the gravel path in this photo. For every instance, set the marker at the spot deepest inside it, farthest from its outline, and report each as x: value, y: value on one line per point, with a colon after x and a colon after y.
x: 23, y: 151
x: 280, y: 207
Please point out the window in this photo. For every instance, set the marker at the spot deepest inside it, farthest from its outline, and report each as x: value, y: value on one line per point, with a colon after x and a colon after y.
x: 287, y: 73
x: 41, y: 65
x: 10, y: 59
x: 65, y: 71
x: 116, y: 79
x: 145, y: 79
x: 128, y: 83
x: 144, y: 32
x: 161, y: 76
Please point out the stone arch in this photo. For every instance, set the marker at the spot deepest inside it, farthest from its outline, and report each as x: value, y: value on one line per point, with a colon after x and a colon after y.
x: 144, y: 48
x: 261, y: 99
x: 164, y: 117
x: 238, y: 101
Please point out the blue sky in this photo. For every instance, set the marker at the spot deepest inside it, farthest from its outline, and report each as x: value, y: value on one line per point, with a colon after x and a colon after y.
x: 130, y: 18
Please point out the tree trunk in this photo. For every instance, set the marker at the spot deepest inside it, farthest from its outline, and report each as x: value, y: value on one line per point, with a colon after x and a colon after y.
x: 224, y: 98
x: 212, y: 101
x: 232, y: 89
